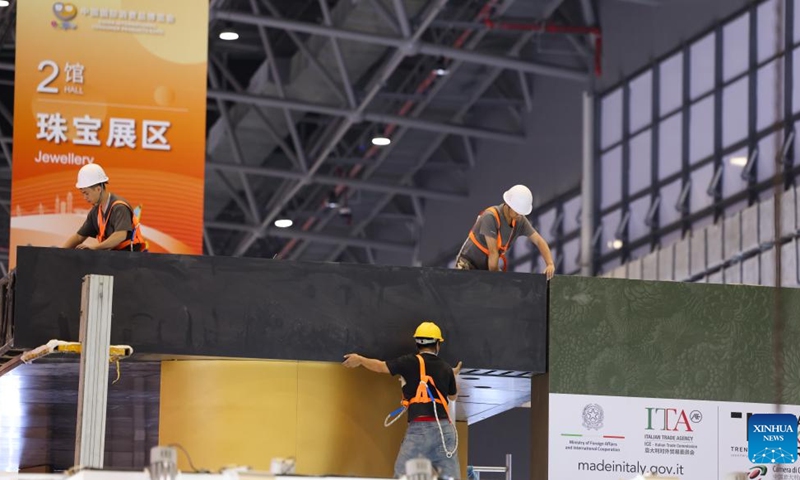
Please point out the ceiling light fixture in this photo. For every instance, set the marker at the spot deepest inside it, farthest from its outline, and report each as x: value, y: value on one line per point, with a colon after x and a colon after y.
x: 228, y: 35
x: 738, y: 161
x: 381, y: 141
x: 441, y: 72
x: 284, y: 222
x: 615, y: 244
x: 4, y: 3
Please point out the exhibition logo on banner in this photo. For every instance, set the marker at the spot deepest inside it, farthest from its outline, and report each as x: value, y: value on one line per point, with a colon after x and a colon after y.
x: 594, y: 437
x: 120, y: 83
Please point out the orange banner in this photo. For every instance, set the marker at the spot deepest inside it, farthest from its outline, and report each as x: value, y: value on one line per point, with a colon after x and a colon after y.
x: 120, y: 83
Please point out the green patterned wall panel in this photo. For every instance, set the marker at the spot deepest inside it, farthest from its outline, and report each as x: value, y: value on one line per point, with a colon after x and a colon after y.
x: 670, y: 340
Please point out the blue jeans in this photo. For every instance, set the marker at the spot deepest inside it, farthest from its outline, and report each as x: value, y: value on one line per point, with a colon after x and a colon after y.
x: 423, y: 440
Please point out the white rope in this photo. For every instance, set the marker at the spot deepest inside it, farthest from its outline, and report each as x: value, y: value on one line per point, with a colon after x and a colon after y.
x: 386, y: 421
x: 441, y: 431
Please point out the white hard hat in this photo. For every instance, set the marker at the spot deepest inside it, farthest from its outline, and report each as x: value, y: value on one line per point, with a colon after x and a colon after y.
x: 91, y: 175
x: 519, y: 198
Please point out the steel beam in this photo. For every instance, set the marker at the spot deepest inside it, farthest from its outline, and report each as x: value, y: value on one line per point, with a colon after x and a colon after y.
x: 402, y: 17
x: 377, y: 83
x: 587, y: 188
x: 550, y: 8
x: 209, y: 244
x: 498, y: 102
x: 301, y: 45
x: 588, y: 12
x: 337, y: 55
x: 385, y: 15
x: 469, y: 151
x: 526, y: 93
x: 9, y: 67
x: 273, y: 132
x: 236, y: 148
x: 233, y: 194
x: 510, y: 63
x: 298, y: 146
x: 355, y: 116
x: 486, y: 82
x: 349, y: 182
x: 473, y: 42
x: 309, y: 28
x: 294, y: 233
x: 4, y: 148
x: 407, y: 47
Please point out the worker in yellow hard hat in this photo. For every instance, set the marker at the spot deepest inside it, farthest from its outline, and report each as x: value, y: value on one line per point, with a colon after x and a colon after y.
x: 111, y: 219
x: 427, y: 381
x: 495, y: 231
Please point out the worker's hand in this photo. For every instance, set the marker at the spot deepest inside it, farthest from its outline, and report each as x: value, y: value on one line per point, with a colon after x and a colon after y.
x: 457, y: 369
x: 352, y: 360
x: 549, y: 271
x: 83, y: 246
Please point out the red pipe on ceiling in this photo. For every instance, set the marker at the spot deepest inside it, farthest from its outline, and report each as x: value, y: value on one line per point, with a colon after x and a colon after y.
x: 595, y: 32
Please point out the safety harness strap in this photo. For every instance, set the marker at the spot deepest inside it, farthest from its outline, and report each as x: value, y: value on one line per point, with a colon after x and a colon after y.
x: 102, y: 221
x: 500, y: 247
x: 423, y: 393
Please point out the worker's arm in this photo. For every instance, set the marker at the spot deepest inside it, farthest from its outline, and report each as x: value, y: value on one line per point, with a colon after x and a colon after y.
x: 109, y: 243
x: 544, y: 249
x: 353, y: 360
x: 74, y: 241
x: 494, y: 254
x: 453, y: 391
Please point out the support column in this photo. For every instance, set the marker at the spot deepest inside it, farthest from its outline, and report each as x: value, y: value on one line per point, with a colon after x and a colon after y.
x: 587, y: 187
x: 540, y: 425
x: 95, y: 338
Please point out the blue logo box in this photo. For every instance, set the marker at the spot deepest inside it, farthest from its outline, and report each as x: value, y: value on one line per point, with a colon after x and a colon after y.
x: 772, y: 438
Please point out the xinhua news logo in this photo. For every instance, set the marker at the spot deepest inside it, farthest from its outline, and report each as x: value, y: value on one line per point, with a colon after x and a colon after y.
x: 772, y: 438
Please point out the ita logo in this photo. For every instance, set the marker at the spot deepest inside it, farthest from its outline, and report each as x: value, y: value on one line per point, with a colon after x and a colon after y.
x: 772, y: 438
x: 593, y: 416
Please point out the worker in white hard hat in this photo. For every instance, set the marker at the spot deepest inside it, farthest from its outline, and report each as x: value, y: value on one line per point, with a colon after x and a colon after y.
x: 495, y: 231
x: 429, y: 387
x: 111, y: 219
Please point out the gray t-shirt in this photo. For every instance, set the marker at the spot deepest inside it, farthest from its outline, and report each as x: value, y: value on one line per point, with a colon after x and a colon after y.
x: 486, y: 227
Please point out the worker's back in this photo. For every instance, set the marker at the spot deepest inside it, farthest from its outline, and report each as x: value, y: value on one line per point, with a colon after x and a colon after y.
x: 440, y: 371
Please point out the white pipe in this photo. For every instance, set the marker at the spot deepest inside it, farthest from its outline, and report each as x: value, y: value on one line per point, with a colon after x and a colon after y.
x: 587, y: 188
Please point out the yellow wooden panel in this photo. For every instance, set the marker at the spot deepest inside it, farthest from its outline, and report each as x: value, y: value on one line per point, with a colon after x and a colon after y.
x: 247, y: 412
x: 340, y: 427
x: 463, y: 446
x: 229, y: 412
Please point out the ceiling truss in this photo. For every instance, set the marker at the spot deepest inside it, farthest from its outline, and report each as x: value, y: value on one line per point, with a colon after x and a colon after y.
x: 294, y: 104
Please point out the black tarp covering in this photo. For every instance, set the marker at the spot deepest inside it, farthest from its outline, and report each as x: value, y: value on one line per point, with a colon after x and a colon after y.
x: 175, y: 305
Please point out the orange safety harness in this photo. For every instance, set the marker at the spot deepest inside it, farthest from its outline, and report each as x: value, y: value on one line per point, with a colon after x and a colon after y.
x: 425, y: 395
x: 423, y: 392
x: 136, y: 237
x: 500, y: 247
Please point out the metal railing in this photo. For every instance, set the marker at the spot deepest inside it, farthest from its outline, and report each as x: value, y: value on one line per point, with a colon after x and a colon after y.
x: 477, y: 470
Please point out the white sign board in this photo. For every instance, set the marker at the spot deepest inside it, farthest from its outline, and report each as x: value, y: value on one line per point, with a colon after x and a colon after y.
x: 617, y: 438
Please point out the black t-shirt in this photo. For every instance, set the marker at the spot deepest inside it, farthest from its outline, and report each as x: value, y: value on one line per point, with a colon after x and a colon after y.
x: 120, y: 218
x: 407, y: 366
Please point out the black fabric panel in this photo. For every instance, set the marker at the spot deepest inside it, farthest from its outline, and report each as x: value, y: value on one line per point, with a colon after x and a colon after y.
x: 175, y: 305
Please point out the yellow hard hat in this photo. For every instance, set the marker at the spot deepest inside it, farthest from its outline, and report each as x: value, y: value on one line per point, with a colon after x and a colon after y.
x: 428, y: 330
